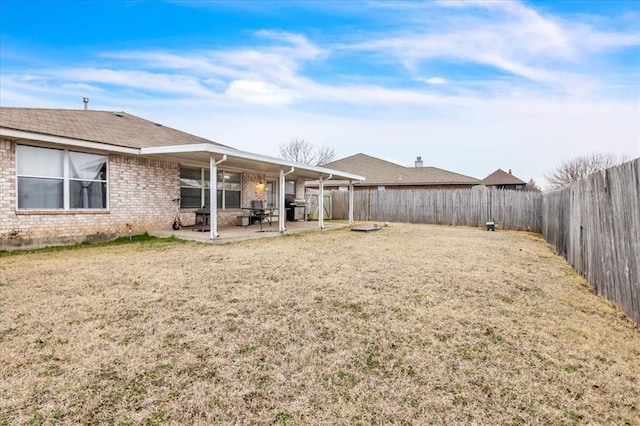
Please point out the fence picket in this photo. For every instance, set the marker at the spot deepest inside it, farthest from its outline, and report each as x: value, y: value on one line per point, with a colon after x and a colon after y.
x: 594, y: 223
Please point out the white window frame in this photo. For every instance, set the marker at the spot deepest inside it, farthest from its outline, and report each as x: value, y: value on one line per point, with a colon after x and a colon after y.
x: 66, y: 179
x: 204, y: 191
x: 274, y: 193
x: 223, y: 203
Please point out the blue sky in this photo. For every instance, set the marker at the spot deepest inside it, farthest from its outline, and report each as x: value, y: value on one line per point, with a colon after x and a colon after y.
x: 469, y: 86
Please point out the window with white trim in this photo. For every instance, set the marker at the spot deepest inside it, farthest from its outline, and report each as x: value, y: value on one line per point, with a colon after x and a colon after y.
x: 229, y: 190
x: 195, y: 184
x: 194, y: 187
x: 271, y: 191
x: 56, y: 179
x: 290, y: 190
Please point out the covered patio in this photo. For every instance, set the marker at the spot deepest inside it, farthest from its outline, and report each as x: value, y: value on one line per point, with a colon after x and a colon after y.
x: 209, y: 155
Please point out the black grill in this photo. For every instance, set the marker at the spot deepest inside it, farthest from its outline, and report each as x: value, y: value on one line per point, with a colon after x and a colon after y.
x: 296, y: 209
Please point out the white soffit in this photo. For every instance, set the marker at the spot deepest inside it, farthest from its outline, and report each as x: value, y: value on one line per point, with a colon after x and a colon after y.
x: 201, y: 153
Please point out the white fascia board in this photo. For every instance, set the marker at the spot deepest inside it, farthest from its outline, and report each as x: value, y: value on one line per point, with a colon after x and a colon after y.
x: 216, y: 149
x: 60, y: 140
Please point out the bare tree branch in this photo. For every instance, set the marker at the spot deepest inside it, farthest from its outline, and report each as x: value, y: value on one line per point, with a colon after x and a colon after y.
x: 572, y: 170
x: 324, y: 155
x: 302, y: 151
x: 532, y: 186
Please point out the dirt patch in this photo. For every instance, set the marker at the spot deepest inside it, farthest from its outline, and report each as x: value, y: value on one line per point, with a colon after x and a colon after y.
x: 412, y: 324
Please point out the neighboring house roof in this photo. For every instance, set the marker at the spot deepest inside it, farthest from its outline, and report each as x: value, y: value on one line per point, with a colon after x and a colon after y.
x: 381, y: 172
x: 500, y: 177
x: 108, y: 127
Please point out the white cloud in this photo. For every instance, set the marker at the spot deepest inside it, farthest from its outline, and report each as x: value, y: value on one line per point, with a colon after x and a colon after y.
x: 144, y: 80
x: 195, y: 63
x: 536, y: 109
x: 551, y: 52
x: 81, y: 87
x: 259, y: 92
x: 299, y: 46
x: 436, y: 80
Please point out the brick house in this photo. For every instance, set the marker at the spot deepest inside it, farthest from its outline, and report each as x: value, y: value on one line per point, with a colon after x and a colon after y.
x: 381, y: 174
x: 76, y: 175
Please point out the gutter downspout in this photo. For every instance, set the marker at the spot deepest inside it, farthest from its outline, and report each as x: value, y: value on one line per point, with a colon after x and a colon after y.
x: 213, y: 199
x: 281, y: 211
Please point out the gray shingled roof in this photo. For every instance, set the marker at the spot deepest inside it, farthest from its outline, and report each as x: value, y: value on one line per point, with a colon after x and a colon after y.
x: 108, y: 127
x: 500, y: 177
x: 381, y: 172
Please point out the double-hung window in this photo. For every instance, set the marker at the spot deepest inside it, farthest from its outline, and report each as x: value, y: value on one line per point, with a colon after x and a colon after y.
x: 195, y: 188
x: 289, y: 190
x: 229, y: 190
x: 56, y: 179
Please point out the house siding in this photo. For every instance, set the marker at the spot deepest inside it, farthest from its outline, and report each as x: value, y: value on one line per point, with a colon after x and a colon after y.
x: 140, y: 191
x: 140, y: 194
x: 509, y: 187
x: 7, y: 187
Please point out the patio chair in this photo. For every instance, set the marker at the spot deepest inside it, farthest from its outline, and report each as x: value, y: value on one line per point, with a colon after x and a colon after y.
x: 258, y: 213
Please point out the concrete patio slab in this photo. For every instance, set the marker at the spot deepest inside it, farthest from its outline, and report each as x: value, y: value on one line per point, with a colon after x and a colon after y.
x: 239, y: 233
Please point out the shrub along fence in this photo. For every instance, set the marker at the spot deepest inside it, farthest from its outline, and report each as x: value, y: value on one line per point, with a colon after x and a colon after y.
x: 594, y: 223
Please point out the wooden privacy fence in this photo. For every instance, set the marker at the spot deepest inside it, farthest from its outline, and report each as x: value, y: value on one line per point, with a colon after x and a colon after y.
x: 595, y: 224
x: 466, y: 207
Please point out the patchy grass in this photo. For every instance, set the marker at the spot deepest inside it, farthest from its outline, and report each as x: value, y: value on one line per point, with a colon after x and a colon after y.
x: 413, y: 324
x: 142, y: 240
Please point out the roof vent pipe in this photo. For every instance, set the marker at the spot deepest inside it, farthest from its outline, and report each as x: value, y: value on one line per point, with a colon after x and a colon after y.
x: 509, y: 171
x: 418, y: 161
x: 85, y: 100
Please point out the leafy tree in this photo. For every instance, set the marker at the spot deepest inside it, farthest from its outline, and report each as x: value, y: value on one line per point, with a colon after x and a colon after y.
x: 302, y: 151
x: 572, y: 170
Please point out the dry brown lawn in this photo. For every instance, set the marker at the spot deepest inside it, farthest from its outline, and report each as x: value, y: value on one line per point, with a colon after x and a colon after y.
x: 413, y: 324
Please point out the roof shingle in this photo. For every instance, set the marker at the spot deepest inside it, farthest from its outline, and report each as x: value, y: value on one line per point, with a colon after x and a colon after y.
x: 108, y: 127
x: 381, y: 172
x: 500, y: 177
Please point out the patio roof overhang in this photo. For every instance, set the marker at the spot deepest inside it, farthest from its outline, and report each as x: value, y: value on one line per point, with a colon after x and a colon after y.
x: 196, y: 155
x: 200, y: 155
x: 208, y: 155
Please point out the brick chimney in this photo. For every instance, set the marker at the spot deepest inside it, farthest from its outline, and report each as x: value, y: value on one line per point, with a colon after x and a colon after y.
x: 418, y: 161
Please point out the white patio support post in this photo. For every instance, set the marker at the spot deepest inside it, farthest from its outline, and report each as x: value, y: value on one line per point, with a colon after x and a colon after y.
x: 350, y: 202
x: 321, y: 203
x: 213, y: 198
x: 281, y: 211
